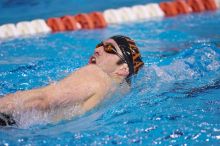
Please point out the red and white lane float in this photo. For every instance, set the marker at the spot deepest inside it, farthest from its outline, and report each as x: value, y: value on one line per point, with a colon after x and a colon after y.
x: 40, y: 26
x: 85, y: 21
x: 169, y: 8
x: 97, y: 20
x: 140, y: 12
x: 182, y: 7
x: 196, y: 5
x: 111, y: 16
x: 25, y: 28
x: 210, y: 4
x: 56, y: 24
x: 217, y: 2
x: 154, y: 10
x: 126, y: 14
x: 8, y: 31
x: 70, y: 23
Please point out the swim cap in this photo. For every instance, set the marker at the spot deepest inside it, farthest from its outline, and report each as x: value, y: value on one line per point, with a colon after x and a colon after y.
x: 130, y: 53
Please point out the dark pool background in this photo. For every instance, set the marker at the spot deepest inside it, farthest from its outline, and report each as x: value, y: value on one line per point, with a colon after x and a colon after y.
x: 174, y: 100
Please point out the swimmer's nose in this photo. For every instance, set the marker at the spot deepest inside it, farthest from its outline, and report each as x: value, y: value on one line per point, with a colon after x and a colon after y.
x: 98, y: 51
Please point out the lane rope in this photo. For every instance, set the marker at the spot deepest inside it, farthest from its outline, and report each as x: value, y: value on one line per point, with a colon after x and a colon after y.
x: 98, y: 20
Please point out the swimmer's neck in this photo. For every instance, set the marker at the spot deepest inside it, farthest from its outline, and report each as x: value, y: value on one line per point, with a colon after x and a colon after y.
x: 116, y: 79
x: 114, y: 76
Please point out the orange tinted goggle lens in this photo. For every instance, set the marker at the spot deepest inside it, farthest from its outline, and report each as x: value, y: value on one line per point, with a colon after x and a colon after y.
x: 109, y: 48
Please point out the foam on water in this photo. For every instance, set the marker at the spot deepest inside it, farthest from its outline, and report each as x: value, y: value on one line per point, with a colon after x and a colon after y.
x: 36, y: 117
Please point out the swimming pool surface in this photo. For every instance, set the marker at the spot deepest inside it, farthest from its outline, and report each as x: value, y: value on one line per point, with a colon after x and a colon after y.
x: 174, y: 100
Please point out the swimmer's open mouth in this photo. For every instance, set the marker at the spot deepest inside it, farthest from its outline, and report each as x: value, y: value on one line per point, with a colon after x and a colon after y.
x: 92, y: 60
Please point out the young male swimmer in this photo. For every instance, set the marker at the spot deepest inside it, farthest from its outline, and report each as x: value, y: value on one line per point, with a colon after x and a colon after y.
x: 113, y: 62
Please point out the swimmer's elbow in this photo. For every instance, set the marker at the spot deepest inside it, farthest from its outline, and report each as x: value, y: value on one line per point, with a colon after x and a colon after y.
x: 44, y: 105
x: 45, y: 101
x: 39, y: 104
x: 36, y: 99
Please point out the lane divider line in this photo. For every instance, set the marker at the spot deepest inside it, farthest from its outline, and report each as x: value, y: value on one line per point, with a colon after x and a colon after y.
x: 98, y: 20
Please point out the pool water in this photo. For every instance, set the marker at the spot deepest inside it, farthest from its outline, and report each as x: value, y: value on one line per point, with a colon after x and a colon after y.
x: 174, y: 100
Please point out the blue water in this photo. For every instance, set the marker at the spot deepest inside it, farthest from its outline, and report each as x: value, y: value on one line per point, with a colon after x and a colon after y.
x: 174, y: 100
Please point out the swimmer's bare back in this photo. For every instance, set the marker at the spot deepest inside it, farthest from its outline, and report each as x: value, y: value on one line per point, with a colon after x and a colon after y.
x: 86, y: 86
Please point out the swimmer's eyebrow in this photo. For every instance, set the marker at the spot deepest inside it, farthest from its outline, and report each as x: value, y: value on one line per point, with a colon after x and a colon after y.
x: 105, y: 43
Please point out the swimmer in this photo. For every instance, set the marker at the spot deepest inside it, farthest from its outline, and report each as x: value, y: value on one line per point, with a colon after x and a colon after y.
x: 114, y: 61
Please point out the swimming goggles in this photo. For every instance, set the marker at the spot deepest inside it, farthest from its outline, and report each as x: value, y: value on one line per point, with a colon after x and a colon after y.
x: 110, y: 48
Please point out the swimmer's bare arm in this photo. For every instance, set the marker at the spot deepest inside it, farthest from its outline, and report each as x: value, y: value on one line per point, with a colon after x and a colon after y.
x: 23, y: 100
x: 77, y: 87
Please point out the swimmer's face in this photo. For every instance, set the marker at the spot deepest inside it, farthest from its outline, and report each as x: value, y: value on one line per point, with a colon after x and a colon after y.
x: 107, y: 60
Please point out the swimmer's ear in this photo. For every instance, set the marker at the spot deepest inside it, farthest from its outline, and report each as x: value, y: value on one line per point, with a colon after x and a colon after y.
x: 123, y: 70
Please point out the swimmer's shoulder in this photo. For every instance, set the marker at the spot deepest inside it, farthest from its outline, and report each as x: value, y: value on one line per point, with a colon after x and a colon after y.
x: 98, y: 77
x: 90, y: 67
x: 90, y: 76
x: 93, y: 71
